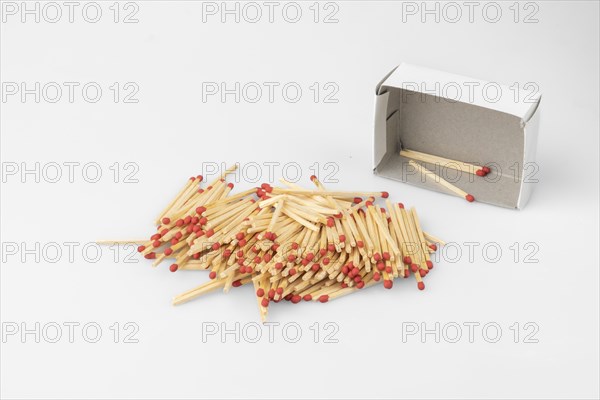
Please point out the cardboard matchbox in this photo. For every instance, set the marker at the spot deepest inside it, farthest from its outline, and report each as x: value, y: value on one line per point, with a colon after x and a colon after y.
x: 462, y: 119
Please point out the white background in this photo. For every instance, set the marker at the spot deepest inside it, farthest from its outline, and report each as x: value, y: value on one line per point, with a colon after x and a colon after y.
x: 171, y: 134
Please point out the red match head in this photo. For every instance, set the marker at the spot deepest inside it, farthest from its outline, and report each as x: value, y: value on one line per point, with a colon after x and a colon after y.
x: 344, y: 285
x: 200, y: 178
x: 313, y: 178
x: 480, y: 172
x: 486, y: 170
x: 174, y: 241
x: 212, y: 275
x: 326, y: 261
x: 324, y: 298
x: 156, y: 236
x: 291, y: 257
x: 216, y: 246
x: 307, y: 297
x: 210, y: 232
x: 330, y: 222
x: 156, y: 243
x: 433, y: 246
x: 315, y: 267
x: 141, y: 248
x: 386, y: 256
x: 407, y: 260
x: 385, y: 195
x: 368, y: 203
x: 360, y: 244
x: 377, y: 257
x: 400, y: 205
x: 376, y: 276
x: 168, y: 251
x: 150, y: 256
x: 278, y: 265
x: 260, y: 292
x: 200, y: 210
x: 429, y: 264
x: 414, y: 267
x: 345, y: 270
x: 292, y: 272
x: 388, y: 284
x: 296, y: 299
x: 357, y: 200
x: 360, y: 285
x: 271, y: 294
x: 173, y: 267
x: 295, y: 246
x: 242, y: 242
x: 264, y: 302
x: 421, y: 285
x: 422, y: 272
x: 166, y: 220
x: 470, y: 198
x: 230, y: 185
x: 331, y: 247
x: 342, y: 238
x: 237, y: 283
x: 179, y: 223
x: 239, y: 235
x: 279, y: 291
x: 380, y: 266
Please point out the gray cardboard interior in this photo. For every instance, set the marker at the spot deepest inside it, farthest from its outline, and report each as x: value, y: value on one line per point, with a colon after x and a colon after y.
x: 459, y: 131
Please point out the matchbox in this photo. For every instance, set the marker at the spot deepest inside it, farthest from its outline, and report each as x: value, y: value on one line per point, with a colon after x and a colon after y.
x: 448, y: 121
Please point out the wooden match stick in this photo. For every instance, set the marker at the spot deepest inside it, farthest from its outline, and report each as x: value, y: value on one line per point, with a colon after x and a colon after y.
x: 442, y: 181
x: 446, y: 162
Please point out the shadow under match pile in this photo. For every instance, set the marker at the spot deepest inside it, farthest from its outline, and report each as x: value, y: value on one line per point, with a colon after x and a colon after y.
x: 290, y: 243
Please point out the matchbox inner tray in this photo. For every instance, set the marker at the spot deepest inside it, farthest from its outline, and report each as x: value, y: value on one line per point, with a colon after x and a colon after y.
x: 468, y: 125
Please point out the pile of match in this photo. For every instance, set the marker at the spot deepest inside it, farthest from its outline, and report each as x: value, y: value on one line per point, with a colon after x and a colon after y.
x: 290, y: 243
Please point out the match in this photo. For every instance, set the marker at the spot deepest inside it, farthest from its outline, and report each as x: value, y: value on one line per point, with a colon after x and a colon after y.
x: 290, y: 243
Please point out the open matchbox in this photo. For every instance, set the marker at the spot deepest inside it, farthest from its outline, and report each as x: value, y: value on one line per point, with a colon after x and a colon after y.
x: 462, y: 119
